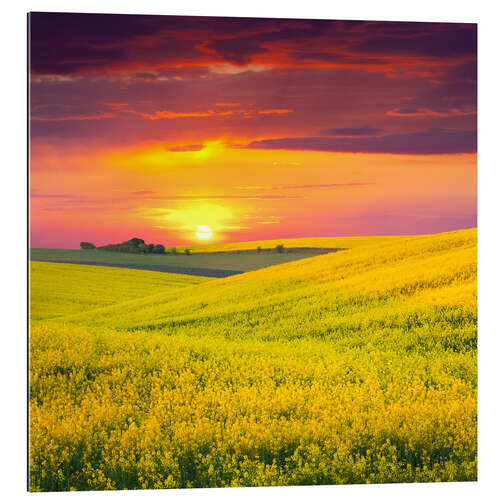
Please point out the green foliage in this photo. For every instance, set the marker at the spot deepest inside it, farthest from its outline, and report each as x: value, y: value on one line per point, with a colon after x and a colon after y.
x: 173, y: 251
x: 134, y: 245
x: 280, y: 248
x: 110, y: 247
x: 187, y: 251
x: 135, y: 241
x: 85, y: 245
x: 159, y: 249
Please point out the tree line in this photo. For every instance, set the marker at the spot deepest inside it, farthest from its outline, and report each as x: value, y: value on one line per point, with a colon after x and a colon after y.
x: 138, y: 245
x: 134, y: 245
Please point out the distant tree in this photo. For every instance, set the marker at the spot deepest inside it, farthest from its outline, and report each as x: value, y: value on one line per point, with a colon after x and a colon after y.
x: 135, y: 241
x: 159, y: 249
x: 259, y: 249
x: 187, y: 251
x: 110, y: 248
x: 280, y: 248
x: 173, y: 251
x: 127, y: 247
x: 85, y: 245
x: 134, y: 245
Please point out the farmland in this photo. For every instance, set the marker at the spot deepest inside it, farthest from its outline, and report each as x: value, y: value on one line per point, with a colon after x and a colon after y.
x: 351, y: 367
x: 217, y: 264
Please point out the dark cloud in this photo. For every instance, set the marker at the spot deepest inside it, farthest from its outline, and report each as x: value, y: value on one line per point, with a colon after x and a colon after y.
x: 321, y: 99
x: 352, y: 131
x: 433, y: 141
x: 236, y: 50
x: 94, y: 84
x: 407, y: 111
x: 433, y: 40
x: 66, y: 44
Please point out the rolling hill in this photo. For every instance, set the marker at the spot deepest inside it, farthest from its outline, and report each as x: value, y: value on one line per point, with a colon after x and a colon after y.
x: 352, y: 367
x: 61, y: 289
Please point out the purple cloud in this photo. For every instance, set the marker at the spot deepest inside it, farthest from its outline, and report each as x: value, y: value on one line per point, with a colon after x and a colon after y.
x: 433, y: 141
x: 352, y: 131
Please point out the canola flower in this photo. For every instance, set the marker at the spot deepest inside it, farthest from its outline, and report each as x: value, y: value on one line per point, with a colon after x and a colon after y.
x: 353, y: 367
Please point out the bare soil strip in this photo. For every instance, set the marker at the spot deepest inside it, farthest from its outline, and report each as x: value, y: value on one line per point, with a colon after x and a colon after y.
x: 192, y: 271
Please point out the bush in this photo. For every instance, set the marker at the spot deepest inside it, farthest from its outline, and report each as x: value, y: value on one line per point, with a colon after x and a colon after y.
x: 127, y: 248
x: 142, y: 248
x: 85, y: 245
x: 159, y: 249
x: 280, y: 248
x: 110, y: 248
x: 135, y: 241
x: 259, y: 249
x: 150, y: 248
x: 173, y: 251
x: 187, y: 251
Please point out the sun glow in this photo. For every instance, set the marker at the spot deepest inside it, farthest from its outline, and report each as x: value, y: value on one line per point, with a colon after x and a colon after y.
x: 203, y: 232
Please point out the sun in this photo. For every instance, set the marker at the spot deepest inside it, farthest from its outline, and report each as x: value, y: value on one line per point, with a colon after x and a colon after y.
x: 203, y: 232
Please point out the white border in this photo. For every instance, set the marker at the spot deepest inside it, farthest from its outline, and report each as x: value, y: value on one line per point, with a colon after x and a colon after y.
x: 13, y: 199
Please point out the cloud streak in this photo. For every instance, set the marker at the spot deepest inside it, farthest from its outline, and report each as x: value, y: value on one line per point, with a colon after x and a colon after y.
x: 430, y: 142
x: 224, y: 197
x: 411, y: 112
x: 99, y: 116
x: 351, y: 131
x: 188, y: 148
x: 307, y: 186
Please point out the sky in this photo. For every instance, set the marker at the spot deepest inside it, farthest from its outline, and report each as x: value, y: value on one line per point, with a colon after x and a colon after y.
x: 173, y: 129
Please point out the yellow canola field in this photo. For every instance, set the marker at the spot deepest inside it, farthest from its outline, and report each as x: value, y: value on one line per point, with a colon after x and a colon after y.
x: 353, y: 367
x: 314, y: 242
x: 60, y: 289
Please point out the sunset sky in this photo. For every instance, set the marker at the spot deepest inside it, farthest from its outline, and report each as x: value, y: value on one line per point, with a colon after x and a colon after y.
x: 150, y: 126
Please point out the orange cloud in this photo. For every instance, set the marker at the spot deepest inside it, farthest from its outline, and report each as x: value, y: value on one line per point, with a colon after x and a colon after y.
x: 428, y: 112
x: 187, y: 148
x: 274, y: 111
x: 169, y: 115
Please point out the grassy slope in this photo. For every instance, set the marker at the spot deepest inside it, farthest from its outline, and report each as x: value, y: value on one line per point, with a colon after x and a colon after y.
x: 60, y: 289
x: 358, y: 366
